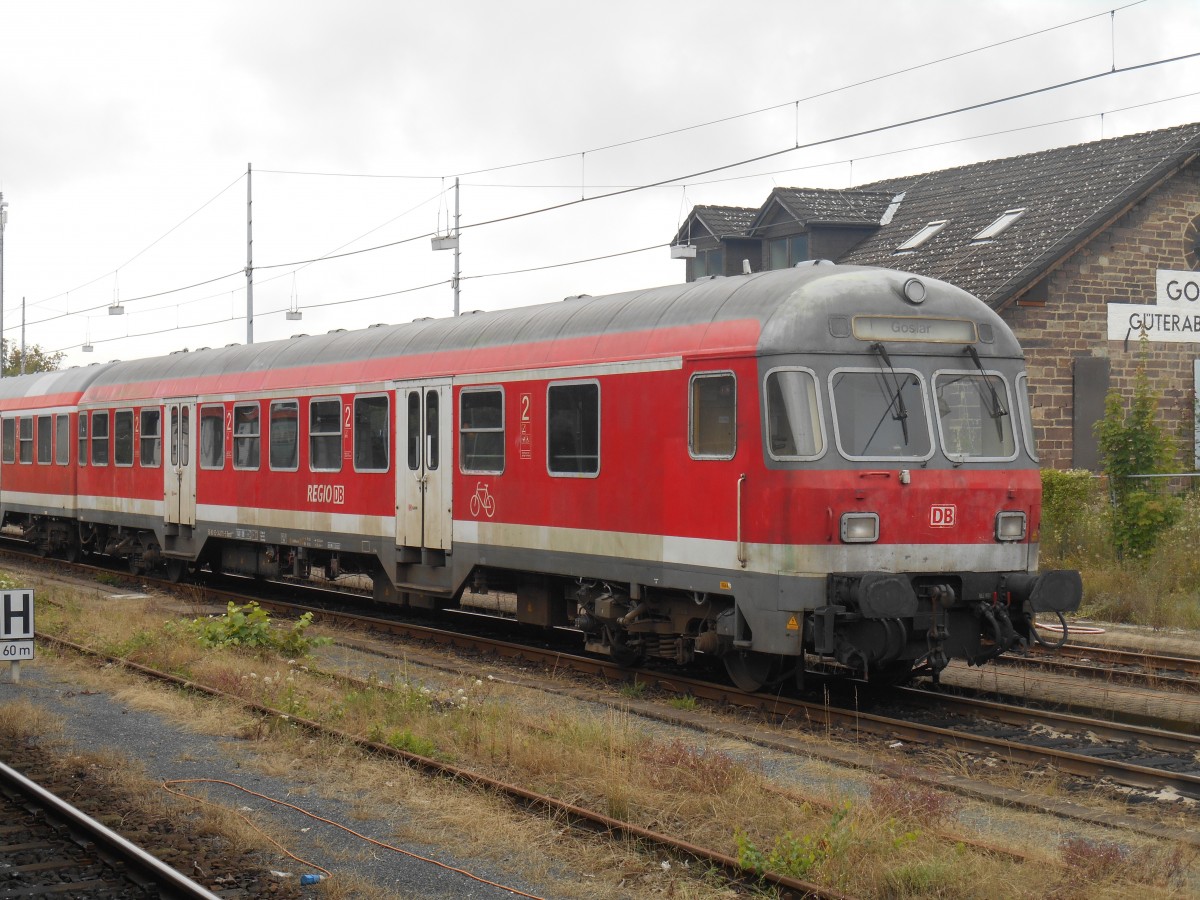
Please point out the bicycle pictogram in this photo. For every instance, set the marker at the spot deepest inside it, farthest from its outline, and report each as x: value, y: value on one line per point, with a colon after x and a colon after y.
x: 482, y: 501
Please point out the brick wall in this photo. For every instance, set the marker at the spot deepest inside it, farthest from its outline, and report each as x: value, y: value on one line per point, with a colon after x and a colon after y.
x: 1118, y: 266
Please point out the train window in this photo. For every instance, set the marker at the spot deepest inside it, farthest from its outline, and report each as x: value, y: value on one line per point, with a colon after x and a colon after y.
x: 481, y: 430
x: 180, y: 425
x: 99, y: 439
x: 880, y: 413
x: 212, y: 437
x: 25, y: 440
x: 1026, y: 416
x: 123, y: 437
x: 10, y: 440
x: 285, y: 435
x: 432, y: 430
x: 151, y: 439
x: 83, y: 439
x: 62, y: 439
x: 573, y: 412
x: 413, y: 446
x: 245, y: 436
x: 712, y: 432
x: 974, y: 418
x: 45, y: 441
x: 371, y: 434
x: 325, y: 435
x: 795, y: 429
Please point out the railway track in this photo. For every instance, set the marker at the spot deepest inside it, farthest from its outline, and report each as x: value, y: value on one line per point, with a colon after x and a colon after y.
x: 1138, y: 757
x: 1140, y: 669
x: 48, y: 848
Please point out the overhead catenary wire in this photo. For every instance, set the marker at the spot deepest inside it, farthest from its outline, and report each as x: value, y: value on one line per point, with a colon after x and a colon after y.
x: 613, y: 145
x: 689, y: 177
x: 667, y: 182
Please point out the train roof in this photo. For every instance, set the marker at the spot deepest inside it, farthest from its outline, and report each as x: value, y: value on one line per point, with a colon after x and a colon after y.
x: 65, y: 384
x: 767, y: 312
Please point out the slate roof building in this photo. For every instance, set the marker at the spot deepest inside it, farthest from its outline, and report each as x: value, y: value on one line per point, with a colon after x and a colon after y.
x: 1064, y: 243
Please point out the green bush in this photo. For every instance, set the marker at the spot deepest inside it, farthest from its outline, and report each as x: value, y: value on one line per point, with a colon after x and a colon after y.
x: 250, y: 626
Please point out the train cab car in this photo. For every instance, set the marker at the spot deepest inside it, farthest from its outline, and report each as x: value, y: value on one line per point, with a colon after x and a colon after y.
x: 827, y: 461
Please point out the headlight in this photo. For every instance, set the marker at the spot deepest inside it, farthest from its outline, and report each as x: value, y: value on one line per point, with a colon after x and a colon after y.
x: 860, y: 528
x: 1010, y: 526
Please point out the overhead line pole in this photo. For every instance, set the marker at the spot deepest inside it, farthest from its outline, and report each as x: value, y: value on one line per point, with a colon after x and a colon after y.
x: 249, y: 258
x: 3, y: 222
x: 457, y: 242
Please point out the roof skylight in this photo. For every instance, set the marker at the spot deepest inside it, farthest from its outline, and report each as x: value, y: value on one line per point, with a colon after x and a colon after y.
x: 998, y: 226
x: 922, y: 236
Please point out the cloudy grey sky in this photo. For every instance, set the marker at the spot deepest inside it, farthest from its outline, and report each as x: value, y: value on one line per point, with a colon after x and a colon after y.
x: 126, y: 128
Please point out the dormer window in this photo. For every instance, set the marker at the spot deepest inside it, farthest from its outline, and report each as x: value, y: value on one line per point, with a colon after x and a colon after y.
x: 1000, y: 225
x: 922, y: 236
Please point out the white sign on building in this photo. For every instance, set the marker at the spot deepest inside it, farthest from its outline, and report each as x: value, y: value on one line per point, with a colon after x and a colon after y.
x: 1178, y: 289
x: 1126, y: 321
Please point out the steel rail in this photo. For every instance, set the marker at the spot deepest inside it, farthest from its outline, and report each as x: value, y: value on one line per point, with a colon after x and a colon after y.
x: 170, y: 883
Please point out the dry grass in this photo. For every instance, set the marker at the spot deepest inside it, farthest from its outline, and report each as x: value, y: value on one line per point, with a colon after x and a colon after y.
x: 888, y: 845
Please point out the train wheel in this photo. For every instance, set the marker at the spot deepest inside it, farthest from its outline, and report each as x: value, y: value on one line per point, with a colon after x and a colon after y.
x: 749, y: 670
x: 176, y: 570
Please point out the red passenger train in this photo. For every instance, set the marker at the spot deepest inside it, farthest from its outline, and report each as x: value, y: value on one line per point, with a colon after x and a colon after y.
x: 827, y: 460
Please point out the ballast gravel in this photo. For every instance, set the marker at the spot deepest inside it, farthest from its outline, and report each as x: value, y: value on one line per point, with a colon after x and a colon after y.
x: 95, y: 722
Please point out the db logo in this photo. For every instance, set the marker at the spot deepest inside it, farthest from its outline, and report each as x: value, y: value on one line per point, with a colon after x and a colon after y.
x: 942, y: 515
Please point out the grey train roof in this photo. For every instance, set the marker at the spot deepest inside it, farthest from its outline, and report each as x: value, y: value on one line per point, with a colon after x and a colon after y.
x: 790, y: 305
x: 42, y: 384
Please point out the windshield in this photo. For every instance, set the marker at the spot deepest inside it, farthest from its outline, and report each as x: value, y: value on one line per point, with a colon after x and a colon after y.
x: 973, y: 415
x: 880, y: 414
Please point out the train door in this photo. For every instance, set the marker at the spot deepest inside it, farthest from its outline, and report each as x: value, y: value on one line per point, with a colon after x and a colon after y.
x: 179, y: 469
x: 424, y: 466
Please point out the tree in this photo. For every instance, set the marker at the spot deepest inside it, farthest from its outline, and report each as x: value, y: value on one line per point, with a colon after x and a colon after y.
x: 36, y: 359
x: 1133, y: 443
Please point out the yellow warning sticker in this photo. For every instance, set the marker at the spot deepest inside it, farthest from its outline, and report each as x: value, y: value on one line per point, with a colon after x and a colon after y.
x: 792, y: 624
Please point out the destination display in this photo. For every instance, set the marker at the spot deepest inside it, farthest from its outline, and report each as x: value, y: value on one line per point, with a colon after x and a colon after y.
x: 914, y: 328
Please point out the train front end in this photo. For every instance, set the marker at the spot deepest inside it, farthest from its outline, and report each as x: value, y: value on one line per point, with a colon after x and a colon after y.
x: 902, y: 498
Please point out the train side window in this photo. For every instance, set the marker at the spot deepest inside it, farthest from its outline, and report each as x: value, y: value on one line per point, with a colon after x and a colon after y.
x: 10, y: 440
x: 151, y: 439
x: 83, y: 438
x: 45, y: 441
x: 371, y: 434
x: 99, y: 439
x: 712, y: 416
x: 794, y: 418
x: 1026, y: 416
x: 285, y: 435
x: 573, y: 413
x: 123, y: 437
x: 481, y: 431
x: 212, y: 437
x: 25, y: 440
x: 325, y: 435
x: 245, y: 435
x: 413, y: 447
x: 62, y: 439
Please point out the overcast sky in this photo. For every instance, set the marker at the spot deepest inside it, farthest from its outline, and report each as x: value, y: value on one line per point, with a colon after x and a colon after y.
x: 126, y: 128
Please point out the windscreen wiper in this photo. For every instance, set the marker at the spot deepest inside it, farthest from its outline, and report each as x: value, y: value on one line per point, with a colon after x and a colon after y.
x: 897, y: 398
x: 997, y: 408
